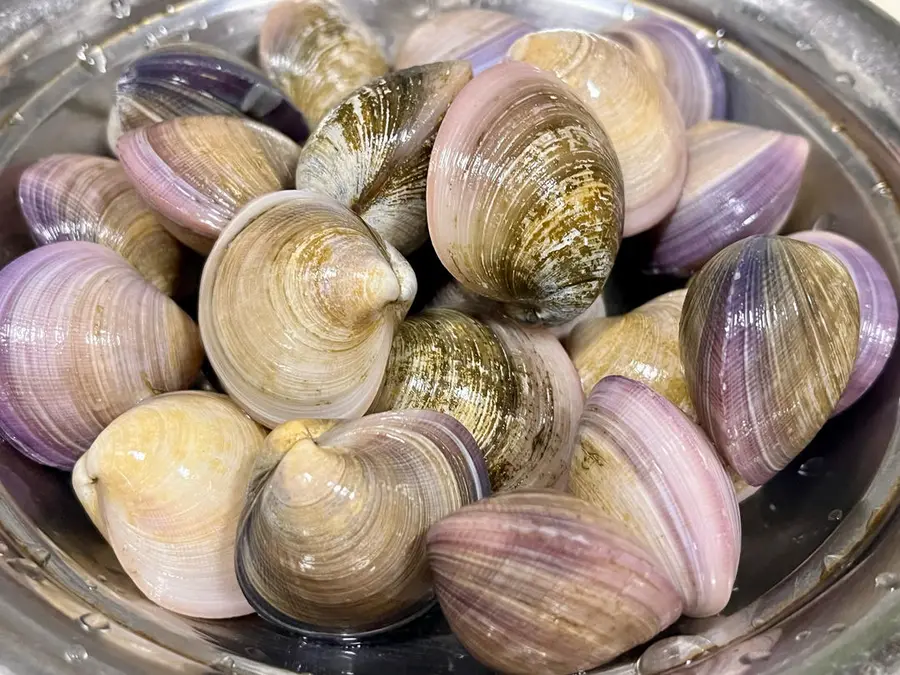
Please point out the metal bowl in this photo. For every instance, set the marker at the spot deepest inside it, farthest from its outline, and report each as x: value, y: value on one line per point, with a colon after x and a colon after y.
x: 821, y: 554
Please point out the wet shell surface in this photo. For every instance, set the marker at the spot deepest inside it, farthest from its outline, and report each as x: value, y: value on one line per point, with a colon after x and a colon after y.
x: 687, y: 67
x: 308, y: 333
x: 877, y: 310
x: 165, y: 484
x: 334, y: 541
x: 318, y: 53
x: 371, y: 152
x: 83, y: 338
x: 524, y: 196
x: 641, y: 345
x: 199, y: 172
x: 542, y: 583
x: 189, y: 79
x: 84, y: 198
x: 768, y: 334
x: 741, y: 181
x: 514, y: 388
x: 479, y: 36
x: 643, y: 463
x: 634, y: 107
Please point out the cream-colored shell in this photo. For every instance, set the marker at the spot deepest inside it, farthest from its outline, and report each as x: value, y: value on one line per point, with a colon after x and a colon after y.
x: 165, y: 484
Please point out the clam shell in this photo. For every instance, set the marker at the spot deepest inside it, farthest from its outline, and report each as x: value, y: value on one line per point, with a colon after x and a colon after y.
x: 643, y: 463
x: 199, y: 172
x: 83, y: 198
x: 165, y: 484
x: 641, y: 345
x: 877, y: 311
x: 184, y: 80
x: 371, y: 152
x: 768, y: 336
x: 308, y: 332
x: 318, y: 53
x: 514, y: 388
x: 525, y: 195
x: 83, y: 338
x: 635, y: 109
x: 479, y: 36
x: 687, y: 67
x: 741, y: 181
x: 538, y: 582
x: 334, y: 542
x: 455, y: 296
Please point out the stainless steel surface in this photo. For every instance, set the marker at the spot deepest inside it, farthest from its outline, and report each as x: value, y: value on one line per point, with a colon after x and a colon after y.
x: 822, y: 554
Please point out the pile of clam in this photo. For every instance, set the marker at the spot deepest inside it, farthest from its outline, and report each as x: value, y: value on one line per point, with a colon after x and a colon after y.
x: 339, y: 485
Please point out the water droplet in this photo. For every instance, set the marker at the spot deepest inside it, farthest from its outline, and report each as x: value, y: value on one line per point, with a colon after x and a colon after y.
x: 754, y: 657
x: 76, y: 654
x: 91, y: 586
x: 224, y: 664
x: 804, y: 46
x: 202, y: 24
x: 94, y: 622
x: 121, y: 9
x: 230, y: 30
x: 25, y: 57
x: 845, y: 79
x: 888, y: 581
x: 721, y: 33
x: 152, y: 42
x: 758, y: 622
x: 798, y: 539
x: 421, y: 11
x: 186, y: 36
x: 812, y: 467
x: 761, y: 18
x: 92, y: 58
x: 831, y: 561
x: 772, y: 507
x: 671, y: 653
x: 170, y: 9
x: 882, y: 189
x: 837, y: 628
x: 628, y: 12
x: 102, y: 578
x: 163, y: 31
x: 837, y: 128
x: 14, y: 119
x: 26, y: 567
x: 802, y: 635
x: 4, y: 549
x: 835, y: 515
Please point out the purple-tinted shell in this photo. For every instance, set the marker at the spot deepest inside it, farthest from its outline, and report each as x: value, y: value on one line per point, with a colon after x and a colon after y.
x: 690, y: 69
x: 197, y: 79
x: 877, y: 311
x: 741, y: 181
x: 479, y: 36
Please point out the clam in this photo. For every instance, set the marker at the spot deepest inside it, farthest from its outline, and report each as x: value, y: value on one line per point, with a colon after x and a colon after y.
x: 318, y: 53
x: 687, y: 67
x: 83, y: 338
x: 634, y: 107
x: 165, y: 484
x: 455, y: 296
x: 541, y: 583
x: 199, y: 171
x: 514, y: 388
x: 641, y: 345
x: 298, y: 305
x: 371, y: 152
x: 768, y: 335
x: 741, y: 181
x: 334, y: 542
x: 83, y: 198
x: 525, y: 195
x: 189, y: 79
x: 877, y: 311
x: 479, y: 36
x: 643, y: 463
